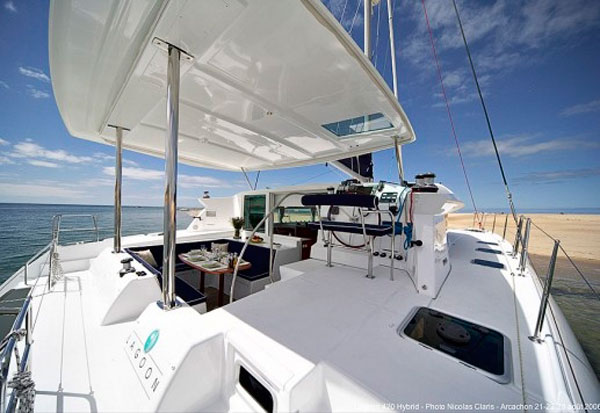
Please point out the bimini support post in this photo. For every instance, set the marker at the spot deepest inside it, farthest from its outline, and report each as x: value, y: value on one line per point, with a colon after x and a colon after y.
x: 169, y: 299
x: 118, y: 184
x: 399, y: 163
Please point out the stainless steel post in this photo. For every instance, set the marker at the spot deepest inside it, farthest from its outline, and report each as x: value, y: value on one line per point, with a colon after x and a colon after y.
x: 271, y: 235
x: 399, y: 163
x: 517, y: 236
x: 393, y: 245
x: 169, y: 299
x: 525, y: 245
x: 329, y: 248
x: 118, y: 184
x: 367, y: 28
x: 25, y: 272
x: 494, y: 224
x: 370, y: 260
x: 96, y: 227
x: 28, y: 325
x: 545, y: 295
x: 390, y: 9
x: 505, y: 224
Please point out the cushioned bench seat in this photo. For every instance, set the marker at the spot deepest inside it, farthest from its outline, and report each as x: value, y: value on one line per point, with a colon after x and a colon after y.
x: 257, y: 256
x: 184, y: 291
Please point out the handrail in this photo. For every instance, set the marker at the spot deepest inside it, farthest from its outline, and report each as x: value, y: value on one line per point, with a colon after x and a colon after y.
x: 363, y: 215
x: 56, y: 221
x: 254, y: 230
x: 56, y: 231
x: 8, y: 345
x: 33, y: 258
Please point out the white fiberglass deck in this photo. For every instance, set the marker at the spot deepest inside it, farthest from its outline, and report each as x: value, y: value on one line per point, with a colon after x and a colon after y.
x: 327, y: 340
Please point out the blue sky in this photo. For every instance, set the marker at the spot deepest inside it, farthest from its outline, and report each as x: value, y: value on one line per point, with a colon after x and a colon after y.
x: 539, y: 66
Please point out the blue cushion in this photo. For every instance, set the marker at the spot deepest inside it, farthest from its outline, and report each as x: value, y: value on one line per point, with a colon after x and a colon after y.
x: 257, y: 256
x: 185, y: 291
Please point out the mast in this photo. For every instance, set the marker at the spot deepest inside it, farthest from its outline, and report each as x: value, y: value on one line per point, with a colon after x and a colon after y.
x: 398, y: 148
x: 367, y: 27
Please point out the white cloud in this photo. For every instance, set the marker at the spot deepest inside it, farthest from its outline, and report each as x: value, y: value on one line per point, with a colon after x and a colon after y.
x: 589, y: 107
x: 4, y: 160
x: 34, y: 73
x: 185, y: 181
x: 31, y: 150
x: 503, y: 34
x: 522, y: 145
x: 39, y: 190
x: 10, y: 6
x: 37, y: 93
x: 129, y: 162
x: 4, y: 142
x: 44, y: 164
x: 190, y: 181
x: 4, y: 85
x: 141, y: 174
x: 557, y: 176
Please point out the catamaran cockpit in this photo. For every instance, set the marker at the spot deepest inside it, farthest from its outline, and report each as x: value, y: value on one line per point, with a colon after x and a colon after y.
x: 348, y: 296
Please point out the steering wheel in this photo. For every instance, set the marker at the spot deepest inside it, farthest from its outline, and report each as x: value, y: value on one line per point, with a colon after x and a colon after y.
x: 350, y: 214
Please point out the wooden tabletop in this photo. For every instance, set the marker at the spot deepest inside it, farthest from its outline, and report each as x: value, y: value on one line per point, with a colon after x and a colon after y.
x: 201, y: 265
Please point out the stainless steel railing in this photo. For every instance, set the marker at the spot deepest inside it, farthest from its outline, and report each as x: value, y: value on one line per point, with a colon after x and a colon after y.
x: 8, y: 348
x: 57, y: 230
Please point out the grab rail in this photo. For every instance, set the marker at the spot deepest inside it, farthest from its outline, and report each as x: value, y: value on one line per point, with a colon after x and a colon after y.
x: 56, y: 231
x: 363, y: 215
x: 32, y: 259
x: 256, y: 227
x: 7, y: 346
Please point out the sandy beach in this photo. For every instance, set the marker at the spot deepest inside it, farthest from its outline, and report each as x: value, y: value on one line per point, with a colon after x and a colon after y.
x: 579, y: 234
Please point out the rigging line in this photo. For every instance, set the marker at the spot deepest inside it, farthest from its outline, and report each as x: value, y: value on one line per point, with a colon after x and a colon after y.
x: 313, y: 177
x: 246, y: 176
x: 487, y: 118
x: 354, y: 18
x: 439, y: 71
x: 343, y: 12
x: 570, y: 260
x: 256, y: 180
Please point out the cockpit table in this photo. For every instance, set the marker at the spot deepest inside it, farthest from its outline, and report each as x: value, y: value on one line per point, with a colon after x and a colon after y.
x: 206, y: 266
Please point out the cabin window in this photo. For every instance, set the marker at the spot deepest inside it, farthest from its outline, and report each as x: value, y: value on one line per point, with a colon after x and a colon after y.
x: 254, y: 211
x: 256, y: 390
x: 468, y: 342
x: 292, y: 215
x: 361, y: 124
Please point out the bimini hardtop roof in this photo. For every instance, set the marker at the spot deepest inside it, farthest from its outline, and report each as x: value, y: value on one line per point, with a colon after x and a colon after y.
x: 264, y: 84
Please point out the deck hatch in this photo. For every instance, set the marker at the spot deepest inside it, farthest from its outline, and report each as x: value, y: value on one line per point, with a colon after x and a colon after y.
x: 488, y: 250
x: 475, y: 345
x: 255, y: 388
x: 486, y: 263
x: 362, y: 124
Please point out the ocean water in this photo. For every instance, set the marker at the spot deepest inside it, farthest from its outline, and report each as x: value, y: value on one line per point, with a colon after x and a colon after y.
x: 26, y: 228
